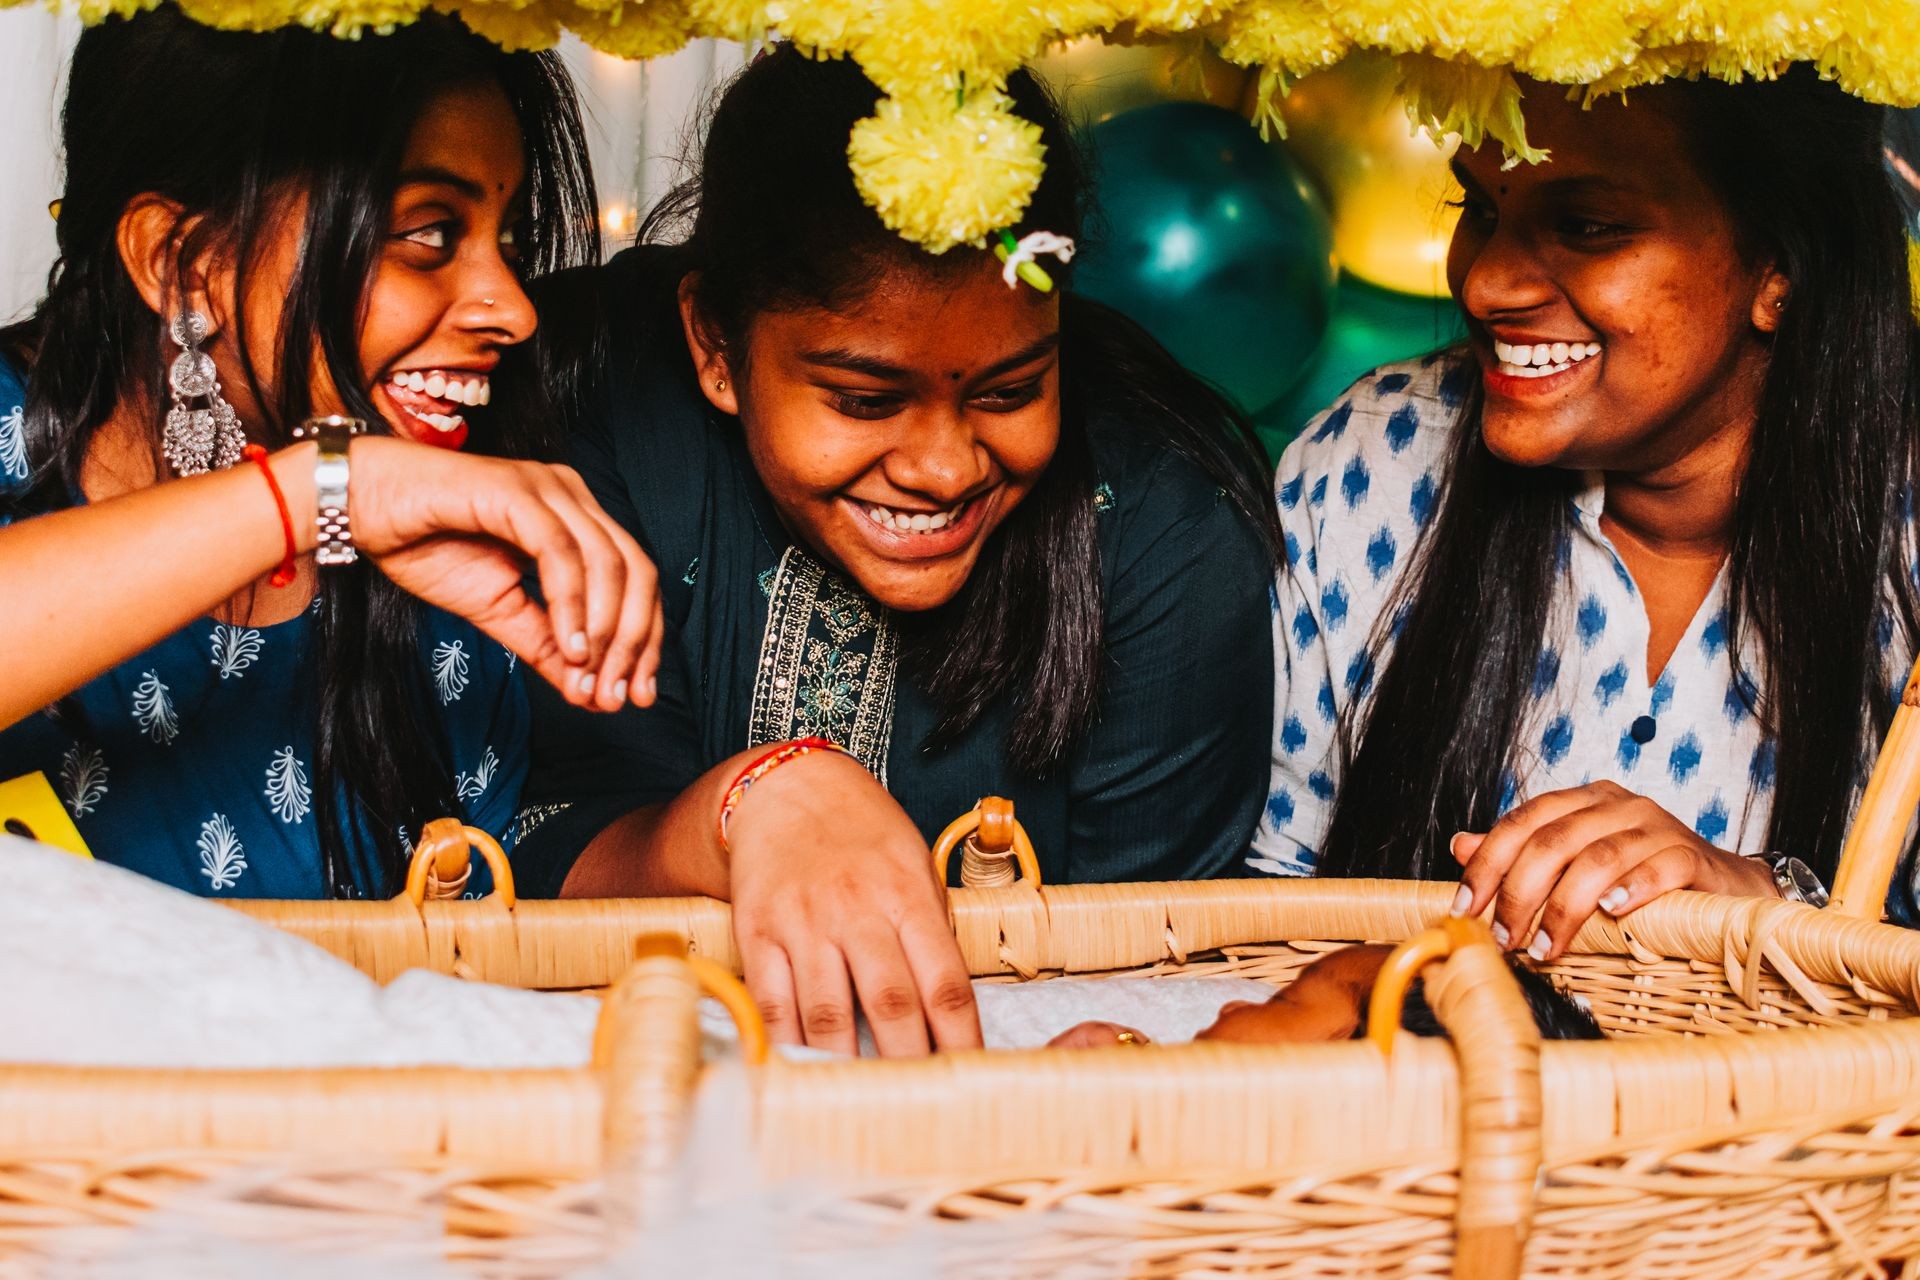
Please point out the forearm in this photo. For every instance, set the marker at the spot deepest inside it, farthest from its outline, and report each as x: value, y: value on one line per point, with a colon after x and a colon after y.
x: 89, y: 587
x: 664, y: 850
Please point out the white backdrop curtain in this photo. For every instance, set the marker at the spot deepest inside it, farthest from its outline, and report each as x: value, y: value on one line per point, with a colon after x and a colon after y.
x: 639, y: 120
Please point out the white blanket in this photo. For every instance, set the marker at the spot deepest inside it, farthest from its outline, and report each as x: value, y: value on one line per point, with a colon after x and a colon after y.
x: 100, y: 966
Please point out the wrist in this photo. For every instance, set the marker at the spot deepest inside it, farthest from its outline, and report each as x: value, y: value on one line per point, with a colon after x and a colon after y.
x: 292, y: 468
x: 795, y: 778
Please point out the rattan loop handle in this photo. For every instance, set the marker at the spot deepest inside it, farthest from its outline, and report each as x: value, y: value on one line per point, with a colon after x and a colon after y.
x: 1497, y: 1045
x: 1878, y: 835
x: 714, y: 980
x: 445, y: 850
x: 995, y: 831
x: 1396, y: 975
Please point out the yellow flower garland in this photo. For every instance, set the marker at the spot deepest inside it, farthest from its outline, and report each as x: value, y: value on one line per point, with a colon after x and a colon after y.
x: 945, y: 160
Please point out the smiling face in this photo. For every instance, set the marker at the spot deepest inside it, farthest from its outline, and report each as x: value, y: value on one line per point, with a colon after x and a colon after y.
x: 897, y: 432
x: 1616, y: 324
x: 446, y: 296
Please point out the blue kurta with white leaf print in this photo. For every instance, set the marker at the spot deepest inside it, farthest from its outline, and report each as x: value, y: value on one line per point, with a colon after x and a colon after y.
x: 192, y: 762
x: 1355, y: 492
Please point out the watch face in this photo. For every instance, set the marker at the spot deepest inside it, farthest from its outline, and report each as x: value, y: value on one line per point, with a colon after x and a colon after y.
x: 1806, y: 885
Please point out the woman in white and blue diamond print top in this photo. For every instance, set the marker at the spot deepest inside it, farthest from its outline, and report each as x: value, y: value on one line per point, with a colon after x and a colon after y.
x: 1621, y: 591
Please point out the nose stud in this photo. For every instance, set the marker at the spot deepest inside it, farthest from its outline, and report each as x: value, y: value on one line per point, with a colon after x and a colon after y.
x: 486, y: 302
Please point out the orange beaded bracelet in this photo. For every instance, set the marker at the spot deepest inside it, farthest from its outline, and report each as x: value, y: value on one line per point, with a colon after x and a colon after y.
x: 764, y: 765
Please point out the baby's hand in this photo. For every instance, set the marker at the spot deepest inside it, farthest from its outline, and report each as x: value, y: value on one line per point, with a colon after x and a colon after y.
x: 1097, y: 1035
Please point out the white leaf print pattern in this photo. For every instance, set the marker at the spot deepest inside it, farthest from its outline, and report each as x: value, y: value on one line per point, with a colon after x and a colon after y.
x: 234, y: 648
x: 83, y: 774
x: 222, y: 858
x: 287, y: 788
x: 13, y: 446
x: 450, y: 670
x: 153, y: 708
x: 470, y: 787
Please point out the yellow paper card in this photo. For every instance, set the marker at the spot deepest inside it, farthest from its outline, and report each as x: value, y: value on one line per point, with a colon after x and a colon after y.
x: 29, y: 808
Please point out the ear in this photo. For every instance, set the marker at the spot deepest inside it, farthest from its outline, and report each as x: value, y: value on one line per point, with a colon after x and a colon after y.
x: 149, y: 237
x: 1771, y: 301
x: 709, y: 354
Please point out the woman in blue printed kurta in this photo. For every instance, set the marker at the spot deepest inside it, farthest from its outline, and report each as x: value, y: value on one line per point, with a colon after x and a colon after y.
x: 220, y: 732
x: 1588, y: 609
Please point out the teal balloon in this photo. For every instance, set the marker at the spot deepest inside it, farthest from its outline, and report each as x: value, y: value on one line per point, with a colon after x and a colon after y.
x: 1370, y: 327
x: 1217, y: 243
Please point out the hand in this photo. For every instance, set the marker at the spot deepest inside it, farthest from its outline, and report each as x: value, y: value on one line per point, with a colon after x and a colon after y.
x: 834, y: 895
x: 459, y: 531
x: 1097, y: 1035
x: 1561, y: 855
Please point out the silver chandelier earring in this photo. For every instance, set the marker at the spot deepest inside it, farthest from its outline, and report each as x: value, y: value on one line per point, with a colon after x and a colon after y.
x: 203, y: 432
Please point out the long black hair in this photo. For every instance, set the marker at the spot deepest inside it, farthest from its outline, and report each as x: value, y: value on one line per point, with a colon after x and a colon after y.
x: 773, y: 220
x: 230, y: 126
x: 1817, y: 547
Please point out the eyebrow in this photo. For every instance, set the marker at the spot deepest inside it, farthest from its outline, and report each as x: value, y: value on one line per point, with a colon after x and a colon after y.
x: 1578, y: 184
x: 881, y: 370
x: 433, y: 175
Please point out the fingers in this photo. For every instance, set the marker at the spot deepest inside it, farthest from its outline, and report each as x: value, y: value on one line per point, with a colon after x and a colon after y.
x: 885, y: 984
x: 940, y: 976
x: 824, y: 996
x: 769, y: 978
x: 628, y: 667
x: 1496, y: 852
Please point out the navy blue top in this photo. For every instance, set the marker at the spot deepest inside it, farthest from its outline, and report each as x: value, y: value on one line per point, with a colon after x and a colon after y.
x: 192, y: 762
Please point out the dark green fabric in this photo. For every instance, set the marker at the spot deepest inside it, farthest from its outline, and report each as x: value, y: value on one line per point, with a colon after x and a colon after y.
x: 1167, y: 785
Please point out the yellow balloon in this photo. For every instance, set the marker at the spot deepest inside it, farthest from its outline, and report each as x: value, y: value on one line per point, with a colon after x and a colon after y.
x: 1096, y: 81
x: 1387, y: 184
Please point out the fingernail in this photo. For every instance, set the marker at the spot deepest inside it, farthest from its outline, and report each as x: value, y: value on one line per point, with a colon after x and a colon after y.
x: 1500, y: 935
x: 619, y: 690
x: 1453, y: 845
x: 651, y: 687
x: 1541, y: 945
x: 1612, y: 900
x: 585, y: 683
x: 577, y: 644
x: 1462, y: 899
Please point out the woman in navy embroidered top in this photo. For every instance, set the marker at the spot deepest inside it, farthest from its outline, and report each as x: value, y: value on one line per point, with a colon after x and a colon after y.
x: 334, y: 227
x: 1624, y: 590
x: 988, y: 540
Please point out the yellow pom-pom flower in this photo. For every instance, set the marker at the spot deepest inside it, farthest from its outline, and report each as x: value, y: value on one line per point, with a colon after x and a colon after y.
x: 943, y: 177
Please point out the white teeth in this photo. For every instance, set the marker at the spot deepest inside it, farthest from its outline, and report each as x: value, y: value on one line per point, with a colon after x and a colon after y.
x: 456, y: 391
x: 1542, y: 354
x: 1559, y: 352
x: 435, y: 386
x: 1542, y: 359
x: 415, y: 382
x: 486, y: 392
x: 912, y: 522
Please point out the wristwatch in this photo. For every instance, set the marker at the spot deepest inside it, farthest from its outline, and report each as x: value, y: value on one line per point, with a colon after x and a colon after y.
x: 1796, y: 880
x: 333, y: 433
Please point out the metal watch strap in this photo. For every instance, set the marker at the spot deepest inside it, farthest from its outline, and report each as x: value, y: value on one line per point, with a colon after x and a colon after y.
x: 330, y: 475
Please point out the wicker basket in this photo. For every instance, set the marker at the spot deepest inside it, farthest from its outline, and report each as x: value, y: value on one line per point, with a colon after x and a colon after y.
x: 1756, y: 1114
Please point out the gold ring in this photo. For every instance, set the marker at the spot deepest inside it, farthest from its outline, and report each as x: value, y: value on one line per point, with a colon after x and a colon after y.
x: 1131, y: 1039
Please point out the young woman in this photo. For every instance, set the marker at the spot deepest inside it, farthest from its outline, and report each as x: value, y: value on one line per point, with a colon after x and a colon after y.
x: 1623, y: 590
x: 256, y: 228
x: 985, y: 539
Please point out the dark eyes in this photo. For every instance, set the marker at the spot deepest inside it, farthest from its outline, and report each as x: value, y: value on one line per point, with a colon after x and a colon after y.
x: 1573, y: 228
x: 438, y: 238
x: 874, y: 406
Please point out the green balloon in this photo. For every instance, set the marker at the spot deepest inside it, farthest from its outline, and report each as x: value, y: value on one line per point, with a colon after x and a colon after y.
x: 1370, y: 327
x: 1215, y: 242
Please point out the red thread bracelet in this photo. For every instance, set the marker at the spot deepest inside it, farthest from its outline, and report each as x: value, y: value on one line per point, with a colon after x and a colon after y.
x: 284, y: 574
x: 763, y: 765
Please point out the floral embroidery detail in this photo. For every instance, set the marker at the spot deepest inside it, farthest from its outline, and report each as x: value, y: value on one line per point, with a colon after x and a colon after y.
x: 13, y: 446
x: 827, y: 664
x: 1103, y: 497
x: 765, y: 578
x: 450, y: 670
x: 83, y: 774
x: 222, y: 857
x: 287, y: 788
x: 470, y: 786
x: 153, y: 708
x: 234, y: 648
x: 533, y: 817
x: 693, y: 572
